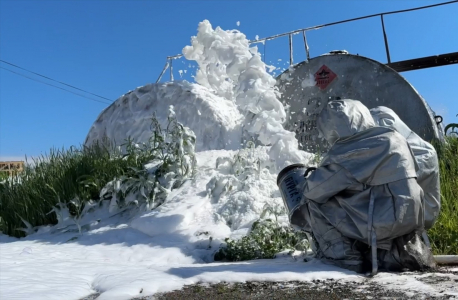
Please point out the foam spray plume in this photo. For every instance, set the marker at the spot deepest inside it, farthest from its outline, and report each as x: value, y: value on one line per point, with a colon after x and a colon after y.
x: 235, y: 71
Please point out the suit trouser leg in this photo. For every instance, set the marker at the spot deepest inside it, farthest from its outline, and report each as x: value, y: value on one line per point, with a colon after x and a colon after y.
x: 333, y: 247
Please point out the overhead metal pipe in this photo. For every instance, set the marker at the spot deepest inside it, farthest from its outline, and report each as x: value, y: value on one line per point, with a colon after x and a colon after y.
x: 349, y: 20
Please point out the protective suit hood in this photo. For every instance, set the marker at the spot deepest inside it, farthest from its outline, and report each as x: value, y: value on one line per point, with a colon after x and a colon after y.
x: 386, y: 117
x: 343, y: 118
x: 373, y: 155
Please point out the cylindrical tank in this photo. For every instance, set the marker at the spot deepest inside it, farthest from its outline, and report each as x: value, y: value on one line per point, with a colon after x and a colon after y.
x: 308, y: 86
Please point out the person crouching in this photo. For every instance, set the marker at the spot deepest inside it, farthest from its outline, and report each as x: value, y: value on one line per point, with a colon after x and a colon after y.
x: 364, y: 207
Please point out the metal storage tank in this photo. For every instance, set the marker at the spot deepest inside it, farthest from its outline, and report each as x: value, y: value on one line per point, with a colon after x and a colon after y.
x: 308, y: 86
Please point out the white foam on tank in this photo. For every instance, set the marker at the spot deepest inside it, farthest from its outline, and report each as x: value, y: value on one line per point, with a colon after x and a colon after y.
x: 309, y: 81
x: 215, y: 121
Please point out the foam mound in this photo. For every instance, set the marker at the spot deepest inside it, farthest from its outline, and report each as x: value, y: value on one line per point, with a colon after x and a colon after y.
x: 215, y: 120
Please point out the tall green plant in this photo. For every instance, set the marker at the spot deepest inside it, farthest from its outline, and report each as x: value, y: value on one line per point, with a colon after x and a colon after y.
x: 444, y: 234
x: 173, y: 161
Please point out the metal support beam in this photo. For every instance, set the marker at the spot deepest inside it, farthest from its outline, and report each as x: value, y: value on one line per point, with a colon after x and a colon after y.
x: 386, y: 41
x: 163, y: 71
x: 425, y: 62
x: 306, y: 45
x: 291, y: 50
x: 171, y: 69
x: 265, y: 43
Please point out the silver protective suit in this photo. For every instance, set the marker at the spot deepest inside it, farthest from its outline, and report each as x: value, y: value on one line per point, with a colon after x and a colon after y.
x: 425, y: 157
x: 364, y: 192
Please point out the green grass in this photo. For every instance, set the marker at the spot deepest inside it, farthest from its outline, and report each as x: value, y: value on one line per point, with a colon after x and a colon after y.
x: 3, y: 176
x: 444, y: 234
x: 61, y: 175
x: 78, y: 175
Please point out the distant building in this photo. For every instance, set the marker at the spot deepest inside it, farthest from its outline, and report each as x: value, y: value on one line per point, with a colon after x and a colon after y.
x: 11, y: 167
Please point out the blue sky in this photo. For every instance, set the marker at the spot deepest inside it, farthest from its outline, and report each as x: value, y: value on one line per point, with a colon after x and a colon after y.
x: 111, y: 47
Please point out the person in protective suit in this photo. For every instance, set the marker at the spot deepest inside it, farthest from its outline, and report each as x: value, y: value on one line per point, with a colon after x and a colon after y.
x: 425, y: 157
x: 363, y: 205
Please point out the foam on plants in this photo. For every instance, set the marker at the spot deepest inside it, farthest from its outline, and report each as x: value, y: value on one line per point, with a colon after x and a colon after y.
x: 243, y: 187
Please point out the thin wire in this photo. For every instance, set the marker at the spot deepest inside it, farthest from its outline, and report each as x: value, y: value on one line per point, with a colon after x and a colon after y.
x: 63, y: 83
x: 52, y: 85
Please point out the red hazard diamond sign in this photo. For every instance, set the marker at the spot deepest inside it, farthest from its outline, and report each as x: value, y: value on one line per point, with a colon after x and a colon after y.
x: 324, y: 76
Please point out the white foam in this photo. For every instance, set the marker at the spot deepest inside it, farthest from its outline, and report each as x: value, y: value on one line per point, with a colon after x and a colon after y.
x: 234, y: 70
x: 218, y: 126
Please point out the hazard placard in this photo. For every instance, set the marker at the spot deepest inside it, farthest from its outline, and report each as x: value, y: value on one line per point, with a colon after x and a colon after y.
x: 324, y: 76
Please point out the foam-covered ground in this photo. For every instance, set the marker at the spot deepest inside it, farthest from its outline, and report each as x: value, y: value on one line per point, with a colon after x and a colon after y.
x: 133, y: 255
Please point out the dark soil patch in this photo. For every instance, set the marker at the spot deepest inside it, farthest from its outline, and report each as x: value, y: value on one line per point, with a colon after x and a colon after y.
x: 316, y: 290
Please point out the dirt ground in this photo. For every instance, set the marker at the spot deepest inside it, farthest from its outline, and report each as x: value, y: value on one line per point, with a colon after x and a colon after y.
x: 444, y: 278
